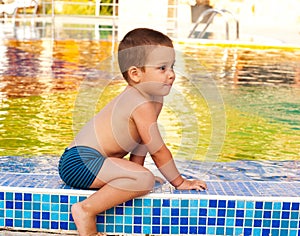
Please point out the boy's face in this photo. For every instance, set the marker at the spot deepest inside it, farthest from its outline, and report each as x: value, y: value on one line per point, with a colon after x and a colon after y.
x: 158, y: 77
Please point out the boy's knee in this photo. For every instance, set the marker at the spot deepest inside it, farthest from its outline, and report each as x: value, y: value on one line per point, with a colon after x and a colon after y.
x: 146, y: 181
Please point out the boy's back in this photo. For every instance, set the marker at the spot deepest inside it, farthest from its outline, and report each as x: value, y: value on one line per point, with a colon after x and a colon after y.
x: 113, y: 131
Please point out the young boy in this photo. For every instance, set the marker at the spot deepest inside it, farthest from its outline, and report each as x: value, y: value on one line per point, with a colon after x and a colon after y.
x: 128, y: 124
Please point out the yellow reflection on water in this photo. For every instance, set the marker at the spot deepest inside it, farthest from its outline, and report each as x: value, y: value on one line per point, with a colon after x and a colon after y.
x: 50, y: 89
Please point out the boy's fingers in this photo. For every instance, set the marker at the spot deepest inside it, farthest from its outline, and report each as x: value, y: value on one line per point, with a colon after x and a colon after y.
x: 198, y: 185
x: 199, y: 188
x: 202, y: 186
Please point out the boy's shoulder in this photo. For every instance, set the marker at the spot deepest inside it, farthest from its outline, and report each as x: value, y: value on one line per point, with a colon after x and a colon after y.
x: 133, y: 96
x: 131, y: 100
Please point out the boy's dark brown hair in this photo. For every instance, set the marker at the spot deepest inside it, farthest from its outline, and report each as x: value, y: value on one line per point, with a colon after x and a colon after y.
x: 134, y: 47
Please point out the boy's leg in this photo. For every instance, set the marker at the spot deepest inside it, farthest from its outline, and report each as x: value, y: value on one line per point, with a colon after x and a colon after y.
x: 119, y: 180
x: 125, y: 175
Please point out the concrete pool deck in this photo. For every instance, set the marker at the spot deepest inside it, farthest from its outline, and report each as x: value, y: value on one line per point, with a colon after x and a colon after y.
x: 41, y: 202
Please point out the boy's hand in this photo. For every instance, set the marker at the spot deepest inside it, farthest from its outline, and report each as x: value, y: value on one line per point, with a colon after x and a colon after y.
x: 198, y: 185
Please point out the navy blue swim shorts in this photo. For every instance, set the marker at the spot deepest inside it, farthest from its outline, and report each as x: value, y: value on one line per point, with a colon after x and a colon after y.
x: 79, y: 166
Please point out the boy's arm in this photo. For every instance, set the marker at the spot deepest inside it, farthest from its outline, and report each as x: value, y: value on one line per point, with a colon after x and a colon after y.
x: 145, y: 118
x: 165, y: 163
x: 168, y: 168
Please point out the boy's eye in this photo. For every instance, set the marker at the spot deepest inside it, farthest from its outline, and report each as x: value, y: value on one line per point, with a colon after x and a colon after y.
x: 166, y: 67
x: 162, y: 67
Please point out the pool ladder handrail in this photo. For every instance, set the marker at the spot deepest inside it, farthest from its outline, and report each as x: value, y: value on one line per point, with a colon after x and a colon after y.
x: 214, y: 12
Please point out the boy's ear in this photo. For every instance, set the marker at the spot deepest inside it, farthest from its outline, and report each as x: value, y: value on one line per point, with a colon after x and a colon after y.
x: 134, y: 74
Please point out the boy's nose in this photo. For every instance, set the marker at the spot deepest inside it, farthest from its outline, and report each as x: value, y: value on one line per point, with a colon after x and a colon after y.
x: 171, y: 74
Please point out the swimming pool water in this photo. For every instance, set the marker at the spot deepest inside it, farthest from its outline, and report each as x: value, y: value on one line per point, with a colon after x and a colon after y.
x: 40, y: 80
x: 48, y: 89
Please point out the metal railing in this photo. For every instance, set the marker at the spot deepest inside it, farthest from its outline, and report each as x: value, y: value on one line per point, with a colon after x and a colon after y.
x: 213, y: 12
x: 99, y: 17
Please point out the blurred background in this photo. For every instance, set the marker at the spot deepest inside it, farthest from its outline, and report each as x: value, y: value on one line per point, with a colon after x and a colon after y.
x: 259, y: 20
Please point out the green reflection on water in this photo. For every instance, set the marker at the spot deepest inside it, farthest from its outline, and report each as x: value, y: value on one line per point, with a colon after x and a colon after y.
x: 262, y: 122
x: 38, y: 125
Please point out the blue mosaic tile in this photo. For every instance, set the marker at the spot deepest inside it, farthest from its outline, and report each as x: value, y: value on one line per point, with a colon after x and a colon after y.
x: 213, y: 212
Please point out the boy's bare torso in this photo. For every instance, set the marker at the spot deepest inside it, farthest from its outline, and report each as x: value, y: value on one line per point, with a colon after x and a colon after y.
x: 113, y: 131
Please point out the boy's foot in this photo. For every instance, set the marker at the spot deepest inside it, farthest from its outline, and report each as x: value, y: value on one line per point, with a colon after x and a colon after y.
x: 85, y: 223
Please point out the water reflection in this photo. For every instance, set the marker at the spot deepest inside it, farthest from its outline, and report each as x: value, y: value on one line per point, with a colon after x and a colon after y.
x: 37, y: 67
x: 248, y: 66
x: 19, y: 74
x: 40, y: 79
